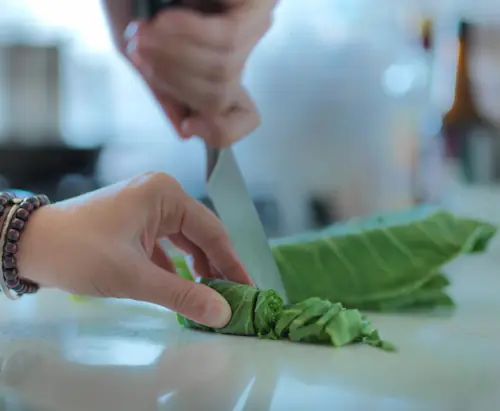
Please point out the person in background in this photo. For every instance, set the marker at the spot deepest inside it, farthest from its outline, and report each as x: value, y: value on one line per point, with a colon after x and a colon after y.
x: 106, y: 243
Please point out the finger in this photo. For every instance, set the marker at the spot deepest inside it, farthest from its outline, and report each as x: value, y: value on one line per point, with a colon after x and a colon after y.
x: 178, y: 55
x: 216, y: 32
x: 162, y: 259
x: 188, y: 298
x: 171, y: 107
x: 179, y: 213
x: 175, y: 111
x: 198, y: 93
x: 201, y: 263
x: 204, y: 229
x: 222, y: 131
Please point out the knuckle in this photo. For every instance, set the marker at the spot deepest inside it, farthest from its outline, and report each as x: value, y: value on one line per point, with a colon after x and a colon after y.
x: 218, y: 238
x: 222, y: 72
x: 208, y: 102
x: 231, y: 40
x: 153, y: 183
x: 161, y: 179
x: 222, y: 138
x: 215, y: 100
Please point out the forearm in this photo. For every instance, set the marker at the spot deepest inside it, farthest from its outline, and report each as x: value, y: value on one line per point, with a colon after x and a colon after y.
x: 119, y: 14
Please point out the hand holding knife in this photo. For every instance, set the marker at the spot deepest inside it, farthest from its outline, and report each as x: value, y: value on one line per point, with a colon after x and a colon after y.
x: 197, y: 58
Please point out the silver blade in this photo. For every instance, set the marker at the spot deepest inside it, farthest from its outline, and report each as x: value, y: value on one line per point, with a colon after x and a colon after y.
x: 232, y: 202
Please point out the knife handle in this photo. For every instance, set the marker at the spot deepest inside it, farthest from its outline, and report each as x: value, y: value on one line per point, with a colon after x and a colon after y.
x: 148, y: 9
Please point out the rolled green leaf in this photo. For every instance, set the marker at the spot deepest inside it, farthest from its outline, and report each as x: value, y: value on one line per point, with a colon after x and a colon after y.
x: 262, y: 314
x: 242, y: 300
x: 267, y: 312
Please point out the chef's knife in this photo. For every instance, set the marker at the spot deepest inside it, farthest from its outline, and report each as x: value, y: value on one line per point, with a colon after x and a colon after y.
x: 225, y: 183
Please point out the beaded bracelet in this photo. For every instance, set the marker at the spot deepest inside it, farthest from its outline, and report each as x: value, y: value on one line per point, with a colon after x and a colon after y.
x: 6, y: 199
x: 18, y: 213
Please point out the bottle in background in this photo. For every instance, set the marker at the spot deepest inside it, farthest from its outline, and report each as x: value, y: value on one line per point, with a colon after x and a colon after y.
x: 470, y: 139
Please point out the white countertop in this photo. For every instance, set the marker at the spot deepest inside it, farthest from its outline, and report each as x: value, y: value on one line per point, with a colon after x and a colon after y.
x: 58, y: 355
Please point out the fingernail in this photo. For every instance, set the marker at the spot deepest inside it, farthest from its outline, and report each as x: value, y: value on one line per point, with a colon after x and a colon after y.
x: 131, y: 47
x: 192, y: 128
x: 131, y: 52
x: 131, y: 30
x: 185, y: 130
x: 218, y: 312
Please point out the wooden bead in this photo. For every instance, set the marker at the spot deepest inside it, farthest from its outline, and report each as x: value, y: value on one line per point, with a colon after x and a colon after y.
x: 10, y: 274
x: 11, y: 248
x: 22, y: 214
x: 13, y: 235
x: 34, y: 200
x: 4, y: 199
x: 44, y: 200
x: 27, y: 206
x: 13, y: 283
x: 9, y: 262
x: 18, y: 224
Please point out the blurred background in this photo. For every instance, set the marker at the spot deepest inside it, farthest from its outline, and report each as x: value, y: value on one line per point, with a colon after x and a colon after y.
x: 367, y: 106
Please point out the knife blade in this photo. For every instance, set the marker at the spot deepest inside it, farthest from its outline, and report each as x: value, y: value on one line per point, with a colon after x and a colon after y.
x: 225, y: 184
x: 233, y: 204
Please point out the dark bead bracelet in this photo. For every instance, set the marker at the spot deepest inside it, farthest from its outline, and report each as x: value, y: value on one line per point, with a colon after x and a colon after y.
x: 17, y: 216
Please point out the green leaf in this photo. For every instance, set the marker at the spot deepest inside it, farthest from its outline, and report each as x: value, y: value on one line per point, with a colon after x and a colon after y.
x: 316, y: 331
x: 261, y: 313
x: 182, y: 267
x: 364, y: 262
x: 268, y: 310
x: 242, y: 300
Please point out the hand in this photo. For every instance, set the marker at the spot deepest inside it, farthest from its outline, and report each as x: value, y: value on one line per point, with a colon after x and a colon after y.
x: 105, y: 244
x: 194, y: 60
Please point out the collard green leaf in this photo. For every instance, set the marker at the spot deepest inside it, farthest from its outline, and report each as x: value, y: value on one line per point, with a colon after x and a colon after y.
x: 316, y: 332
x: 242, y: 300
x: 261, y: 313
x: 364, y: 262
x: 182, y: 269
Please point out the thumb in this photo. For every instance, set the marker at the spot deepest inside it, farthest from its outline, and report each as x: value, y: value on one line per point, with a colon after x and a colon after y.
x: 188, y: 298
x: 241, y: 119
